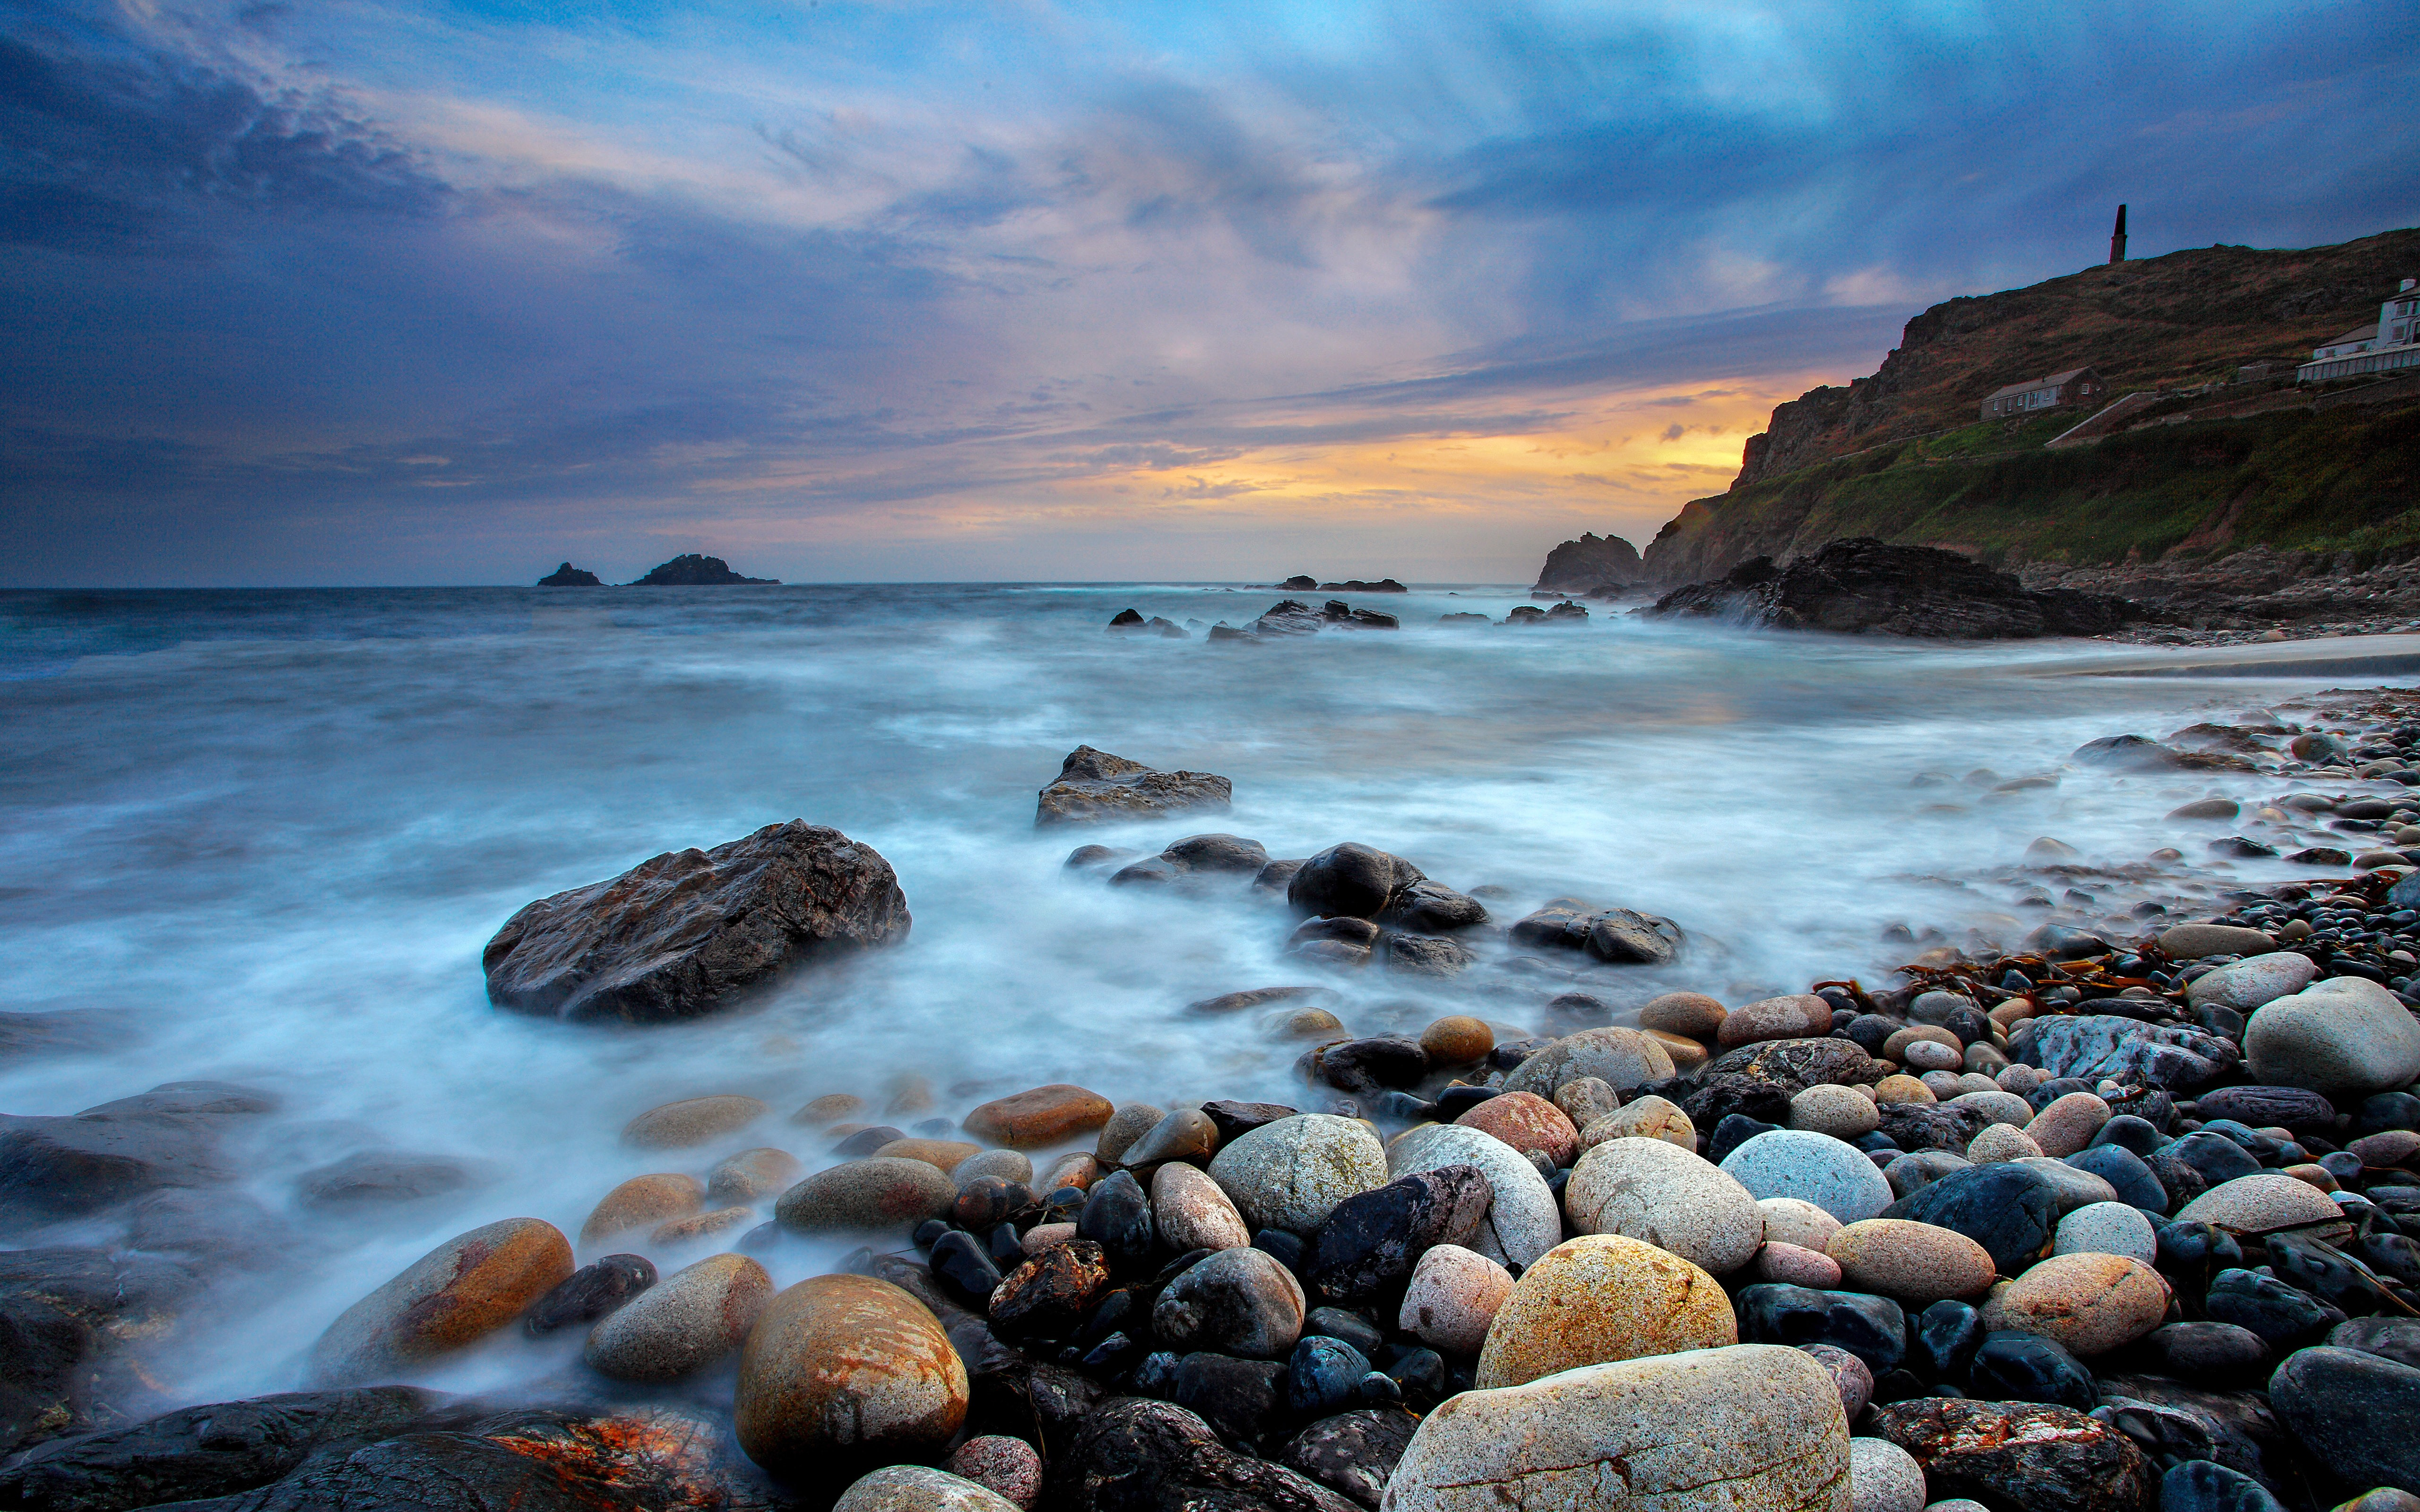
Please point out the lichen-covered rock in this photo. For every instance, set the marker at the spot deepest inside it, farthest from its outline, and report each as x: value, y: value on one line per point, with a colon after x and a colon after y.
x: 1598, y: 1298
x: 1744, y: 1428
x: 2031, y: 1454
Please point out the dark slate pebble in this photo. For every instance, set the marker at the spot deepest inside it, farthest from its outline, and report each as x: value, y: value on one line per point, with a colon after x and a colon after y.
x: 2287, y: 1107
x: 2190, y: 1252
x: 2354, y: 1413
x: 1373, y: 1240
x: 2025, y: 1368
x: 1323, y: 1376
x: 1352, y: 1453
x: 1335, y: 1323
x: 1871, y: 1328
x: 2008, y: 1210
x: 1368, y: 1066
x: 1871, y: 1031
x: 1718, y: 1096
x: 1156, y: 1375
x: 2214, y: 1157
x: 590, y: 1292
x: 1945, y: 1339
x: 2124, y: 1171
x: 965, y: 1268
x: 2202, y: 1485
x: 1235, y: 1118
x: 1461, y: 1098
x: 1736, y: 1130
x: 1117, y: 1217
x: 1126, y: 1309
x: 1238, y: 1398
x: 2132, y: 1134
x: 867, y: 1141
x: 987, y: 1199
x: 2057, y: 1087
x: 2287, y: 1319
x: 1007, y: 1248
x: 1286, y: 1247
x: 2207, y: 1351
x: 2390, y: 1338
x: 930, y: 1231
x: 2309, y: 1267
x: 1420, y: 1372
x: 2387, y: 1110
x: 1510, y: 1053
x: 1931, y: 1126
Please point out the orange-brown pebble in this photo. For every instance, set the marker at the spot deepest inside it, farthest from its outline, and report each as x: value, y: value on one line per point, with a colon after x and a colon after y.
x: 945, y: 1154
x: 1457, y: 1040
x: 1527, y: 1121
x: 1040, y: 1115
x: 642, y: 1202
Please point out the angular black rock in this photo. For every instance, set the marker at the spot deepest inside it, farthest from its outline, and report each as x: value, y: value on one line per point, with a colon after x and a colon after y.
x: 2025, y: 1368
x: 2285, y: 1107
x: 1871, y: 1328
x: 1323, y: 1376
x: 2287, y: 1318
x: 1353, y: 1453
x: 1134, y: 1453
x: 1945, y: 1339
x: 1351, y: 881
x: 2008, y: 1210
x: 1117, y: 1217
x: 1373, y: 1240
x: 2200, y: 1485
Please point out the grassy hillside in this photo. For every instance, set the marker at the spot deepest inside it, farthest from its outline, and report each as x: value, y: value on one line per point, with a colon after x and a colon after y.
x: 2337, y: 479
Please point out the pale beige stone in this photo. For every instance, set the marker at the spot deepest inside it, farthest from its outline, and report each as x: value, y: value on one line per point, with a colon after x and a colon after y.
x: 1602, y: 1297
x: 1670, y: 1197
x: 2089, y: 1302
x: 1912, y: 1262
x: 1648, y: 1118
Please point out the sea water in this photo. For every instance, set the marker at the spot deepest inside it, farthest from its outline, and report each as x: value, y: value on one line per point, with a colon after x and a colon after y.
x: 275, y: 828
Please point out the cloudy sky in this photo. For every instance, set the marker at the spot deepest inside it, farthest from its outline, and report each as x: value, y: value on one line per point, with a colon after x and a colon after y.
x: 374, y: 291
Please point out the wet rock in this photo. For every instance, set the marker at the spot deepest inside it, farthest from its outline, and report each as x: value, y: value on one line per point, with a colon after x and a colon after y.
x: 1523, y: 1221
x: 2134, y: 1182
x: 642, y: 1202
x: 705, y: 1226
x: 1049, y: 1295
x: 1351, y: 881
x: 1093, y: 786
x: 917, y: 1489
x: 380, y: 1175
x: 1192, y: 1212
x: 2344, y: 1036
x: 1626, y: 938
x: 1914, y: 1263
x: 1006, y: 1467
x: 1238, y: 1301
x: 1186, y: 1134
x: 1622, y: 1059
x: 688, y: 1322
x: 1871, y: 1328
x: 1117, y: 1216
x: 2200, y: 1485
x: 2336, y: 1402
x: 210, y: 1228
x: 2094, y: 1047
x: 1457, y: 1040
x: 1352, y: 1453
x: 165, y: 1138
x: 879, y: 1193
x: 589, y: 1294
x: 1041, y: 1116
x: 2390, y: 1337
x: 696, y: 1120
x: 683, y: 934
x: 2042, y: 1457
x: 1790, y: 1265
x: 1370, y: 1065
x: 1136, y: 1455
x: 1790, y: 1163
x: 1126, y: 1125
x: 832, y: 1107
x: 944, y: 1155
x: 1452, y: 1298
x: 1291, y: 1174
x: 842, y: 1371
x: 1370, y: 1244
x: 1764, y: 1429
x: 2207, y: 1351
x: 2010, y: 1209
x: 1649, y: 1189
x: 455, y: 1295
x: 1693, y: 1015
x: 2072, y: 1188
x: 2286, y: 1318
x: 1599, y: 1298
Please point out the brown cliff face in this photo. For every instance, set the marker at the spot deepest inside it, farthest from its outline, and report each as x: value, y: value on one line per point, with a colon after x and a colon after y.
x: 2163, y: 319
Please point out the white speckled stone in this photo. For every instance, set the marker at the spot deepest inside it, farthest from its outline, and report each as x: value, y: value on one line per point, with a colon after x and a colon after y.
x: 1830, y: 1173
x: 2253, y: 981
x: 1883, y: 1477
x: 1670, y: 1197
x: 1291, y: 1173
x: 2107, y: 1229
x: 2342, y: 1035
x: 1796, y: 1221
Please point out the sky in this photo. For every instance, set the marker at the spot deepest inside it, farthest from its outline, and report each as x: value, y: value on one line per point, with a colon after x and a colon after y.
x: 361, y: 291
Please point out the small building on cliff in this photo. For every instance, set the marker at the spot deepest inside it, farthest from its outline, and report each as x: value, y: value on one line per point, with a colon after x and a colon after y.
x: 2078, y: 385
x: 2389, y: 344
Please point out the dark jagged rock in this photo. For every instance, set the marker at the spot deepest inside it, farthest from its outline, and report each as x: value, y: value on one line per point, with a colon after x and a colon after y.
x: 2091, y: 1046
x: 2237, y: 1428
x: 1429, y: 907
x: 1590, y: 565
x: 568, y: 576
x: 1134, y: 1454
x: 1352, y: 1452
x: 1930, y: 1125
x: 1351, y: 881
x: 1355, y: 585
x: 2041, y: 1458
x: 1862, y: 584
x: 1299, y: 583
x: 676, y: 936
x: 1096, y: 786
x: 1373, y: 1240
x: 1049, y: 1294
x: 208, y: 1451
x: 690, y: 570
x: 2287, y: 1107
x: 2025, y: 1368
x: 590, y: 1292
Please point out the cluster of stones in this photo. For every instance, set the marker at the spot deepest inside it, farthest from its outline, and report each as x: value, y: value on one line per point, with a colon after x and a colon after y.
x: 1284, y: 619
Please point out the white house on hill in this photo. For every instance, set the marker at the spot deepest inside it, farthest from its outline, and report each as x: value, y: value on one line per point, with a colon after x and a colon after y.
x: 2077, y: 386
x: 2392, y: 342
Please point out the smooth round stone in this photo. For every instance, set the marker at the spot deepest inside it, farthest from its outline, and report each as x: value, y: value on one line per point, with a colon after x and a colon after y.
x: 1323, y: 1376
x: 1077, y: 1168
x: 2107, y: 1229
x: 703, y: 1226
x: 2196, y: 1349
x: 1883, y: 1477
x: 1842, y: 1112
x: 1648, y: 1190
x: 1998, y: 1142
x: 2069, y: 1123
x: 1792, y: 1163
x: 1936, y: 1007
x: 1895, y: 1047
x: 1687, y: 1054
x: 1238, y: 1302
x: 1763, y: 1429
x: 1900, y: 1086
x: 1622, y: 1059
x: 943, y: 1155
x: 1942, y: 1085
x: 682, y: 1323
x: 752, y: 1175
x: 877, y: 1194
x: 1793, y: 1016
x: 1187, y: 1134
x: 1919, y: 1169
x: 2264, y: 1201
x: 2071, y: 1186
x: 451, y: 1297
x: 2089, y: 1304
x: 1126, y: 1125
x: 2341, y: 1403
x: 1795, y: 1221
x: 1911, y: 1261
x: 842, y: 1369
x: 2341, y: 1036
x: 2206, y: 1485
x: 2191, y: 942
x: 1001, y: 1164
x: 1586, y: 1101
x: 1527, y: 1121
x: 2009, y: 1208
x: 2253, y: 981
x: 1039, y: 1117
x: 1792, y: 1266
x: 1997, y: 1106
x: 1006, y: 1467
x: 1599, y: 1298
x: 1291, y: 1174
x: 1192, y: 1212
x: 830, y: 1108
x: 1457, y: 1040
x: 1691, y: 1015
x: 1310, y: 1024
x: 1043, y: 1236
x: 1452, y: 1298
x: 1648, y: 1118
x: 642, y: 1202
x: 696, y: 1121
x: 1523, y: 1221
x: 1927, y: 1055
x: 1987, y: 1060
x: 920, y: 1489
x: 1117, y: 1216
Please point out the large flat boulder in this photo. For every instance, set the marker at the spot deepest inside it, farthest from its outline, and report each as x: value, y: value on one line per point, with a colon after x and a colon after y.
x: 1093, y: 786
x: 678, y: 935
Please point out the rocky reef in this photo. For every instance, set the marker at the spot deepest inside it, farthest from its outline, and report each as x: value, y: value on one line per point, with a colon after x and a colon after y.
x: 1862, y: 585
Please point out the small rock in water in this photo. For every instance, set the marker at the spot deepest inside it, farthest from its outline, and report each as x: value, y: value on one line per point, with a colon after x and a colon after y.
x: 876, y: 1195
x: 642, y: 1202
x: 590, y: 1292
x: 1040, y: 1116
x: 1126, y: 1125
x: 752, y: 1175
x: 693, y: 1121
x: 455, y: 1295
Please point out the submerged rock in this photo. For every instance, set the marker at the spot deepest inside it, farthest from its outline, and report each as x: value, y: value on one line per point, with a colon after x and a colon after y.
x: 1093, y: 785
x: 678, y: 935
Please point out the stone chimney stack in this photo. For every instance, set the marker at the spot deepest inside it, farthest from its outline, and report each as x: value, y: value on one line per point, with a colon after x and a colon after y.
x: 2118, y: 240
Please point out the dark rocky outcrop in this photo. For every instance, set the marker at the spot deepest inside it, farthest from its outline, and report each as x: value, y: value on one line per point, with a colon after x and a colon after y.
x: 1860, y: 585
x: 678, y: 935
x: 1351, y: 881
x: 694, y: 571
x: 1355, y: 585
x: 1096, y: 786
x: 1590, y: 565
x: 1134, y: 1454
x: 165, y: 1138
x: 73, y: 1326
x: 568, y: 576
